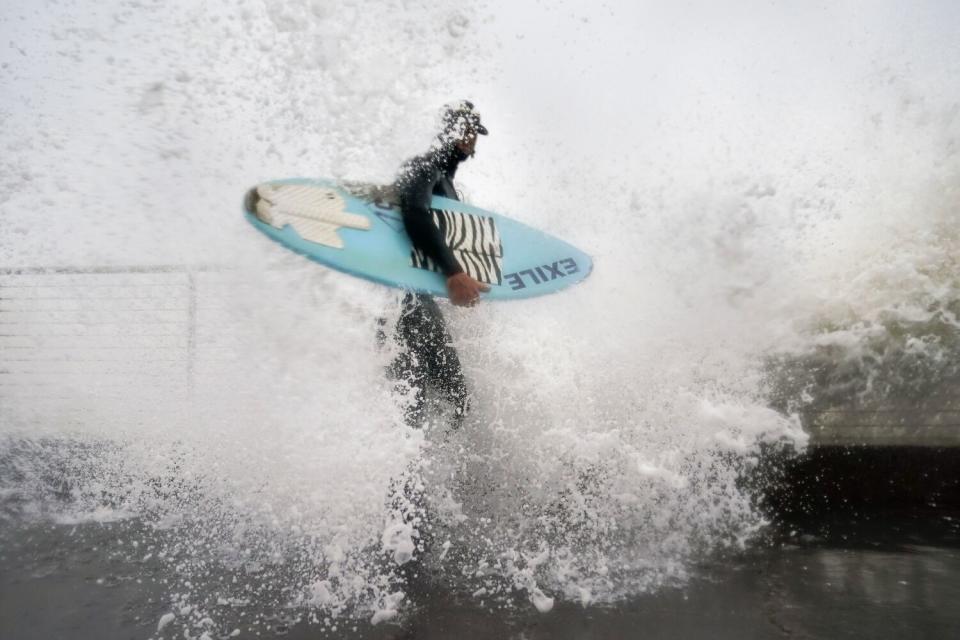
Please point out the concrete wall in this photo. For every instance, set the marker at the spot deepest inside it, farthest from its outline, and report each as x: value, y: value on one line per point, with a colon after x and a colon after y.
x: 930, y: 421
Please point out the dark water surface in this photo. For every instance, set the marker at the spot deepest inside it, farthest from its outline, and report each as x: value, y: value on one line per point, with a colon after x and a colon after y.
x: 876, y: 575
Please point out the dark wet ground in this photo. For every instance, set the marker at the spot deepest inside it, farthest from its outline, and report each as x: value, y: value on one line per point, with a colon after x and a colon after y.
x: 876, y: 575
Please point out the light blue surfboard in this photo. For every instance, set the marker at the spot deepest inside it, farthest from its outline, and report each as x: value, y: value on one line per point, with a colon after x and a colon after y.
x: 357, y: 229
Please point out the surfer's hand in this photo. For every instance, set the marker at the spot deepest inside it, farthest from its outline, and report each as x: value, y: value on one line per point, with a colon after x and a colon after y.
x: 465, y: 291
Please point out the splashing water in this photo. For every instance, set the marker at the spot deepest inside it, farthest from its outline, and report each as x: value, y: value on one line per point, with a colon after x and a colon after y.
x: 742, y: 200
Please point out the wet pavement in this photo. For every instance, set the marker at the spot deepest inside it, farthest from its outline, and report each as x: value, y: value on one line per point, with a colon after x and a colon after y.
x: 877, y: 575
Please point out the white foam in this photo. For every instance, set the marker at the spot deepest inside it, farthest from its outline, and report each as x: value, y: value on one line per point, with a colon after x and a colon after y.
x: 388, y: 609
x: 397, y: 539
x: 165, y: 619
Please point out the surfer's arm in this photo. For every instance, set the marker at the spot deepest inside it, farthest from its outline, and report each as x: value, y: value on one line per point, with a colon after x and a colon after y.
x: 415, y: 190
x: 463, y: 289
x: 424, y: 234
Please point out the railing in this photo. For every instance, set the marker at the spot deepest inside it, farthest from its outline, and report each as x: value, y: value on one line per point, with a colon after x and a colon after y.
x: 72, y: 336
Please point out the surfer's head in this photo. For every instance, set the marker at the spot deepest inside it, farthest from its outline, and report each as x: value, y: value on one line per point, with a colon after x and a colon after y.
x: 460, y: 125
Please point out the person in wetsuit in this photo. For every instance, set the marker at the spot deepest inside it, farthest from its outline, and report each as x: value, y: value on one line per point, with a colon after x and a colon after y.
x: 427, y: 357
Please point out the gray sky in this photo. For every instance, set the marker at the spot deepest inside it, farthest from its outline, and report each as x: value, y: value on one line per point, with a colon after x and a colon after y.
x: 115, y: 112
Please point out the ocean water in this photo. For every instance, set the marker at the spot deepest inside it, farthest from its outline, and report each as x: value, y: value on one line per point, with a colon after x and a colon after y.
x: 768, y: 190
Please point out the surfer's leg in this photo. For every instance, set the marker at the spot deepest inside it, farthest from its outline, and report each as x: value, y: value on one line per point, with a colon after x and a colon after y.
x: 446, y: 375
x: 442, y: 362
x: 411, y: 380
x: 427, y: 355
x: 409, y: 366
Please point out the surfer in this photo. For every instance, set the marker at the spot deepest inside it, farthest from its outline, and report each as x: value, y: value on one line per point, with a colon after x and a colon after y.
x: 427, y: 355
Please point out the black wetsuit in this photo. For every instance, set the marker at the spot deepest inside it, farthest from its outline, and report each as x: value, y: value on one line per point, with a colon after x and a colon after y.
x: 427, y: 357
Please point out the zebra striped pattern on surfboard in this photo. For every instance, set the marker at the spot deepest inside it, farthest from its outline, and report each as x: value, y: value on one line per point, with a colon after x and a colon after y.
x: 474, y: 241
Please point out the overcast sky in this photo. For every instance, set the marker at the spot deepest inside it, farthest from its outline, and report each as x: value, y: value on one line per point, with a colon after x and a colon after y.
x: 111, y: 108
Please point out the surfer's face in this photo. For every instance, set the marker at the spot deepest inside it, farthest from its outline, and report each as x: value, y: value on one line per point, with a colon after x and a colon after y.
x: 468, y: 144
